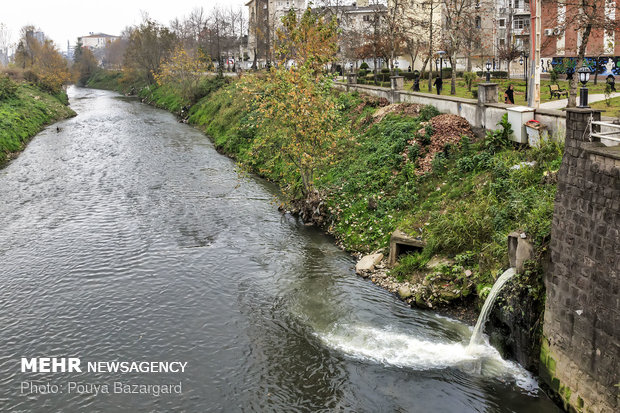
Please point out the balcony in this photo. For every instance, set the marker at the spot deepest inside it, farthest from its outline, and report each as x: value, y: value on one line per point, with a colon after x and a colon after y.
x: 521, y: 32
x: 525, y: 9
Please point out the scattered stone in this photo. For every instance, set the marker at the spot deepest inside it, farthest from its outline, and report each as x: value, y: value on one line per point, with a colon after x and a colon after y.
x: 368, y: 263
x: 404, y: 292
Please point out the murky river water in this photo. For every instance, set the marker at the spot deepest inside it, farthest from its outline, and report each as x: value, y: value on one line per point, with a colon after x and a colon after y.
x: 126, y: 237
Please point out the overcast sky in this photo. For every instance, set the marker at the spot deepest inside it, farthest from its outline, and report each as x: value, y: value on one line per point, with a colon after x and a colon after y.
x: 67, y: 19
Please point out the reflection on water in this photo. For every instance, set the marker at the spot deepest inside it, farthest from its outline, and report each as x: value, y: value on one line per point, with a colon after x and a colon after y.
x: 127, y: 237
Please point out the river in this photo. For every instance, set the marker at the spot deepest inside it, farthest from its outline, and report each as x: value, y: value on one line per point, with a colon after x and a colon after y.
x: 126, y: 237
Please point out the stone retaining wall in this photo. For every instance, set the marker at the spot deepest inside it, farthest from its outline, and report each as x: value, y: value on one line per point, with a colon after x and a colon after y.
x: 581, y: 346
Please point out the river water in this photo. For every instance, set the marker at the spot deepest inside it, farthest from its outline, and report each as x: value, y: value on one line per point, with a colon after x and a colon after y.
x: 126, y: 237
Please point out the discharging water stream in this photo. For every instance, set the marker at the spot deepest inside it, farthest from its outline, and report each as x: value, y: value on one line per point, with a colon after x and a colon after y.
x: 127, y: 237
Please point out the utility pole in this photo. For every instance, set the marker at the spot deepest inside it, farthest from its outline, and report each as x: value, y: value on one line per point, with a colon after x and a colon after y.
x: 533, y: 96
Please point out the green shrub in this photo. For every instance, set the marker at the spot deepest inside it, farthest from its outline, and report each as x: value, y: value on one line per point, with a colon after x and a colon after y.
x: 499, y: 138
x: 407, y: 264
x: 427, y: 112
x: 7, y: 88
x: 553, y: 76
x: 364, y: 66
x: 469, y: 78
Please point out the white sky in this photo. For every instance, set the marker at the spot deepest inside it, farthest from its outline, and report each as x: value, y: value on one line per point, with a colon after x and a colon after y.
x: 64, y: 20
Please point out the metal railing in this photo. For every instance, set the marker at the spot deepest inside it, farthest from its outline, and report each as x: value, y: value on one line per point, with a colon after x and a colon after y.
x: 610, y: 135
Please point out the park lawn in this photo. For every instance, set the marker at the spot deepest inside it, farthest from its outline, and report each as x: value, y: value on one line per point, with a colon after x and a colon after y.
x: 519, y: 86
x: 612, y: 109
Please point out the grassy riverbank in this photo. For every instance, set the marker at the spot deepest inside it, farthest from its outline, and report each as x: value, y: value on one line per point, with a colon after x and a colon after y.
x: 460, y: 194
x: 409, y: 168
x: 24, y: 111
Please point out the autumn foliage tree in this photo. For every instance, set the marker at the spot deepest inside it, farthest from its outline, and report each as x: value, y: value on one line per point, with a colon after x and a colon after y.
x: 295, y: 112
x: 184, y: 71
x: 43, y: 62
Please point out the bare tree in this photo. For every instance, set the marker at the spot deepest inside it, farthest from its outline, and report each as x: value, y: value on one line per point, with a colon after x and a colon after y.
x: 457, y: 17
x: 584, y: 17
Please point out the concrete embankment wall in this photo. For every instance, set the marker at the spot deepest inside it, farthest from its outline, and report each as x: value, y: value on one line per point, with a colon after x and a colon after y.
x: 479, y: 115
x: 581, y: 346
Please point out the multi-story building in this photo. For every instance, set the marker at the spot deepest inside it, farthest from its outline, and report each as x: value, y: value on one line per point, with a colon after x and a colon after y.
x: 97, y: 41
x: 361, y: 23
x: 561, y: 37
x: 264, y: 19
x: 511, y: 31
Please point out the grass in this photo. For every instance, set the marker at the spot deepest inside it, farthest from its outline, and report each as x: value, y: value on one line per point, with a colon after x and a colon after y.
x: 467, y: 205
x: 518, y: 84
x: 464, y: 208
x: 25, y: 113
x: 612, y: 109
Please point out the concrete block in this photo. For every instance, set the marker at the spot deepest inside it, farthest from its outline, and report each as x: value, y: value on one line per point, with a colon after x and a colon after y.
x: 368, y: 263
x: 399, y: 242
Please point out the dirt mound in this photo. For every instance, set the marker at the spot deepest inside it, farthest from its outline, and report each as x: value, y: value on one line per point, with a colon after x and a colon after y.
x: 447, y: 129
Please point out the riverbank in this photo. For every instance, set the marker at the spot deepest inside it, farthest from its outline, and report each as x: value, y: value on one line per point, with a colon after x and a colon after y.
x: 24, y: 112
x: 409, y: 168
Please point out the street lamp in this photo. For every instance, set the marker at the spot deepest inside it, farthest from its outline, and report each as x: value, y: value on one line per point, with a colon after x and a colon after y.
x: 351, y: 67
x: 584, y: 76
x: 488, y: 71
x: 523, y: 58
x: 441, y: 53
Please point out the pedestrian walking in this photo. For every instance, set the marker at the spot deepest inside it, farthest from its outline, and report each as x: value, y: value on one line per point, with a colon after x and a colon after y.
x: 438, y: 84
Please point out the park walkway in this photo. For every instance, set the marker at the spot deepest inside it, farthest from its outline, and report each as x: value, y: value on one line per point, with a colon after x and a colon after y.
x: 561, y: 103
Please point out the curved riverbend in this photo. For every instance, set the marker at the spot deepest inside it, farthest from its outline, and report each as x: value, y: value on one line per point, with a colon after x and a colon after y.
x: 127, y: 237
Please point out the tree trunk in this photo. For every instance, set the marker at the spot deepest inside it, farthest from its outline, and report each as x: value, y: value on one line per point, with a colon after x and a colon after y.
x: 453, y: 80
x: 572, y: 97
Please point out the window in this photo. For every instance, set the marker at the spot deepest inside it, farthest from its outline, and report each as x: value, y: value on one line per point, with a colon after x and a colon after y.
x: 478, y: 22
x: 502, y: 22
x: 520, y: 23
x: 502, y: 42
x: 366, y: 18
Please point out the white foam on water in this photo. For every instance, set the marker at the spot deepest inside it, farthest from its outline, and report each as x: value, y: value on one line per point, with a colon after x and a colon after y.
x: 390, y: 347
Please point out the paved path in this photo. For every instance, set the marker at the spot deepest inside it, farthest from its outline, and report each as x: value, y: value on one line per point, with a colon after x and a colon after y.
x: 561, y: 103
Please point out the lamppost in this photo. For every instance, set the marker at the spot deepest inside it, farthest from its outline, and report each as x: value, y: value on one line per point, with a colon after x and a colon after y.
x: 584, y: 76
x: 488, y: 71
x: 351, y: 67
x: 523, y: 58
x: 441, y: 53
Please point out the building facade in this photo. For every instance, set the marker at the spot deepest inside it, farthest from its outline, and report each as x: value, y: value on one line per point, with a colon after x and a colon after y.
x: 264, y: 18
x: 97, y: 41
x: 561, y: 37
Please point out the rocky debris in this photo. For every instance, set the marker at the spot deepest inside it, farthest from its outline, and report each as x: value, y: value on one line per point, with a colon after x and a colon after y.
x: 368, y: 263
x: 433, y: 291
x: 447, y: 129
